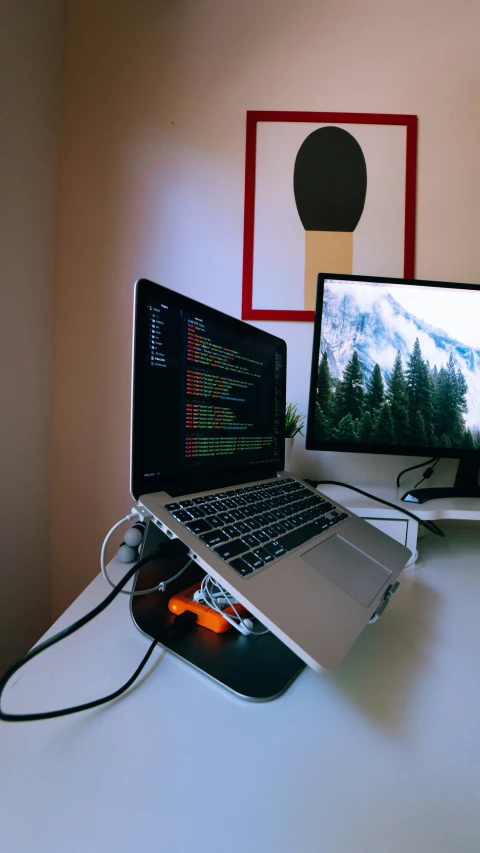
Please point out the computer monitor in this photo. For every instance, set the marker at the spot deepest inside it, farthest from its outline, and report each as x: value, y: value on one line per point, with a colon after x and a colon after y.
x: 396, y: 370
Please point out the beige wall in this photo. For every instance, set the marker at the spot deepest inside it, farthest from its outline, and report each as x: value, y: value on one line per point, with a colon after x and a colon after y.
x: 31, y: 51
x: 152, y: 184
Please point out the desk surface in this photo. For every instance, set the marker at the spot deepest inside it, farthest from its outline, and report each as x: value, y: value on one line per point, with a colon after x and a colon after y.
x: 380, y: 756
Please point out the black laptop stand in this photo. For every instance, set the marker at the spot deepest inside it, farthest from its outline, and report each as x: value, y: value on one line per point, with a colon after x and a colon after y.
x: 257, y: 668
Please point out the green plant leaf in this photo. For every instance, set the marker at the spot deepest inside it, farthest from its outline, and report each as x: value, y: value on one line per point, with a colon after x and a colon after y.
x: 294, y: 421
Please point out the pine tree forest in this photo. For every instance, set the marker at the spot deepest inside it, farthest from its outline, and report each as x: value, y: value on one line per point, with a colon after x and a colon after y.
x: 416, y: 405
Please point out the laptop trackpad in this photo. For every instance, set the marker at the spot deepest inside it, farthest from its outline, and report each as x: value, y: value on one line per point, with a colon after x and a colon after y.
x: 348, y: 568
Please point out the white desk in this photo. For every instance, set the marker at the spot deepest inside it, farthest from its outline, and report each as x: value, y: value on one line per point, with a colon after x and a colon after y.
x: 381, y: 756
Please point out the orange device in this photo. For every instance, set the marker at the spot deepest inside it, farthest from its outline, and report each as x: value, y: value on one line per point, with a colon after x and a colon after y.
x: 206, y: 617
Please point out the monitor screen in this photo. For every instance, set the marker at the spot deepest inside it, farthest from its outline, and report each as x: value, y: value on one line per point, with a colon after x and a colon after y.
x: 396, y: 367
x: 208, y: 395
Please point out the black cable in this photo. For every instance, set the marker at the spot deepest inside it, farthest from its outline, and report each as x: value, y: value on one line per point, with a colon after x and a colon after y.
x: 183, y: 621
x: 427, y: 473
x: 430, y: 525
x: 413, y: 467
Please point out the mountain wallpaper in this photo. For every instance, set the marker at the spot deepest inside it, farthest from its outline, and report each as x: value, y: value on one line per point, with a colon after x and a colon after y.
x: 387, y: 376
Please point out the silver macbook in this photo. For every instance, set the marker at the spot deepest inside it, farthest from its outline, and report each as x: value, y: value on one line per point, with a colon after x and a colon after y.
x: 208, y: 408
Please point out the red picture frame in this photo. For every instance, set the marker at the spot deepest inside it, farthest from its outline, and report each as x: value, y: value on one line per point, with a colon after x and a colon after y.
x: 255, y: 116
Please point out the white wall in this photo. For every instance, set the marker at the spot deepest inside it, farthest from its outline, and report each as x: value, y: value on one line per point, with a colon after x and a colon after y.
x: 31, y: 49
x: 152, y: 185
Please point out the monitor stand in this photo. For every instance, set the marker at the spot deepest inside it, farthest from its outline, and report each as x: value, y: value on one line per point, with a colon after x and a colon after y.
x: 255, y: 668
x: 465, y: 485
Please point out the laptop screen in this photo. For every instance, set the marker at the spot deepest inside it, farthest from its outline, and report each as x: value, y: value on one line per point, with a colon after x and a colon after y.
x: 208, y: 403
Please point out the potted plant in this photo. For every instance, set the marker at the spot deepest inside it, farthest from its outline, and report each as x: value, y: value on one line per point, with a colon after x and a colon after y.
x: 294, y: 422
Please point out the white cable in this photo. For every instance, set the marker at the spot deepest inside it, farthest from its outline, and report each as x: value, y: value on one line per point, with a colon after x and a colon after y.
x: 230, y: 601
x: 160, y: 586
x: 210, y: 599
x: 109, y: 535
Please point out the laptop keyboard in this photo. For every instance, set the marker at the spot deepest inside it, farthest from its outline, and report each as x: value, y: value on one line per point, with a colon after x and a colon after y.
x: 256, y: 525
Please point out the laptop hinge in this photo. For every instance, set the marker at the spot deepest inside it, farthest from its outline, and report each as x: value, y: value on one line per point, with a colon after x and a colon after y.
x: 216, y: 480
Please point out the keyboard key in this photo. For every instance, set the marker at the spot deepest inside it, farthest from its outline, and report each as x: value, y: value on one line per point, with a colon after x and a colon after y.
x: 195, y: 512
x: 241, y: 566
x: 184, y: 504
x: 209, y: 504
x: 295, y: 520
x: 252, y: 560
x: 264, y: 555
x: 231, y: 532
x: 274, y: 530
x: 242, y: 527
x: 282, y: 527
x: 172, y: 507
x: 238, y: 514
x: 294, y: 487
x: 214, y: 520
x: 298, y: 537
x: 262, y: 535
x: 250, y: 523
x: 301, y: 506
x: 319, y: 511
x: 275, y: 503
x: 182, y: 515
x: 226, y: 518
x: 269, y: 517
x: 251, y: 540
x: 214, y: 537
x: 229, y: 503
x: 276, y: 549
x: 230, y: 549
x: 199, y: 525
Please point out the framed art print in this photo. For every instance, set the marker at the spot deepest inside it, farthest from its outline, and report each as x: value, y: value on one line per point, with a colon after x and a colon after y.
x: 324, y: 192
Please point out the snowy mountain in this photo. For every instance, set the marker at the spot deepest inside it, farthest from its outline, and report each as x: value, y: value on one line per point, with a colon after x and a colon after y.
x: 370, y: 320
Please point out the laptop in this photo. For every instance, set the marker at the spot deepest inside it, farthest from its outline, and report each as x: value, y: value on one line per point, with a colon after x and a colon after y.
x: 207, y: 459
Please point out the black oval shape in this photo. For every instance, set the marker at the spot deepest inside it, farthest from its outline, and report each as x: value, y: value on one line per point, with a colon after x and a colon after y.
x: 330, y: 180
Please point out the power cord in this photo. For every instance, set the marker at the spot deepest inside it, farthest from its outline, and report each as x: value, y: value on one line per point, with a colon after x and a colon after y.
x: 182, y: 623
x: 428, y: 473
x: 429, y: 525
